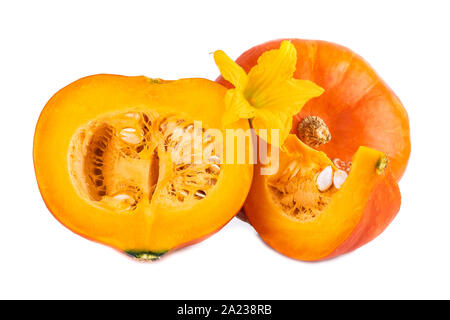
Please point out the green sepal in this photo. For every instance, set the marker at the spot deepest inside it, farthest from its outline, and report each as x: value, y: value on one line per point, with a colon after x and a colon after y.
x: 145, y: 255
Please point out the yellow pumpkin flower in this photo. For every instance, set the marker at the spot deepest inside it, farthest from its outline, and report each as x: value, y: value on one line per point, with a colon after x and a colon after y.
x: 268, y: 95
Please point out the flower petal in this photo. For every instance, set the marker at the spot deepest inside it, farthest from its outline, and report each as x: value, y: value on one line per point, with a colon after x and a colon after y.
x: 289, y: 97
x: 269, y: 95
x: 273, y: 67
x: 268, y: 119
x: 230, y: 70
x: 237, y: 107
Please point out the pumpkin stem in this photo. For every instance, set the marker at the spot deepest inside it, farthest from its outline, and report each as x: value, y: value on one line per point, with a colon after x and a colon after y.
x: 381, y: 164
x: 313, y: 131
x: 145, y: 255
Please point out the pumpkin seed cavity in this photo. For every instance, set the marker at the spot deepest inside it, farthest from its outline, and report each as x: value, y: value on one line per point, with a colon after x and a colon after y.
x: 294, y: 189
x: 303, y: 190
x: 117, y: 160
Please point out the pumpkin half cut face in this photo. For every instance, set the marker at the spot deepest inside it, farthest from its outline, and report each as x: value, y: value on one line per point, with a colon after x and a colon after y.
x: 336, y: 184
x: 115, y: 162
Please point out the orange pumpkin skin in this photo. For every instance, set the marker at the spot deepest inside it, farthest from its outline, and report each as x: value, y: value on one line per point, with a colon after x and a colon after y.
x: 72, y: 126
x: 382, y: 207
x: 357, y: 105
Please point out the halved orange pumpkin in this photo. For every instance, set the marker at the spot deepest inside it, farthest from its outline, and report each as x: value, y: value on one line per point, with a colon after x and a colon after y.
x: 114, y: 162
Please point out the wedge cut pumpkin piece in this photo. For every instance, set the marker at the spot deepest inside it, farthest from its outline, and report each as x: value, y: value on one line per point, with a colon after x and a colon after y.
x: 311, y: 210
x: 115, y: 162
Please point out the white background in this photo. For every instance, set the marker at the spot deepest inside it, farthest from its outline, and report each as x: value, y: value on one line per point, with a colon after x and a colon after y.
x: 44, y: 45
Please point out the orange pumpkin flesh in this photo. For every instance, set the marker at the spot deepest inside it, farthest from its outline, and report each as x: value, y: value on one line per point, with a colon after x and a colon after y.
x: 357, y: 106
x: 298, y: 220
x: 104, y: 152
x: 358, y: 109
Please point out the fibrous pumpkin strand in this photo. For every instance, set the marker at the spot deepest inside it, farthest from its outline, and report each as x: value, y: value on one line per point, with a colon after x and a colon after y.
x: 342, y: 165
x: 381, y: 165
x: 313, y: 131
x: 118, y: 159
x: 295, y: 190
x: 303, y: 189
